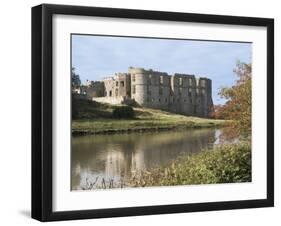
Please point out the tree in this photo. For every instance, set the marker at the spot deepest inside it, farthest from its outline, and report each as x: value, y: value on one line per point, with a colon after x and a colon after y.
x: 75, y: 82
x: 75, y: 78
x: 239, y: 105
x: 219, y: 112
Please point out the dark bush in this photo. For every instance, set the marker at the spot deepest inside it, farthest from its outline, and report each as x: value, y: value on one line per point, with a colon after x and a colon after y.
x: 75, y: 109
x: 123, y: 112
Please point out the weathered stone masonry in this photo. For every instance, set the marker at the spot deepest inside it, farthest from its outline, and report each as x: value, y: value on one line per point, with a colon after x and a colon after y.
x: 179, y: 93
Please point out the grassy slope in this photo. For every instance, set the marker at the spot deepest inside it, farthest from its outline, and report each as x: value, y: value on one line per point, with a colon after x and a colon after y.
x: 96, y: 118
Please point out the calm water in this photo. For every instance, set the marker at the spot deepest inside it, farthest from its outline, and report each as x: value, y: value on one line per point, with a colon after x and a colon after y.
x: 99, y: 160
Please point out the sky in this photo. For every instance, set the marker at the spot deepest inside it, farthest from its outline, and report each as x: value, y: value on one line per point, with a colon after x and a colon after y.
x: 96, y: 57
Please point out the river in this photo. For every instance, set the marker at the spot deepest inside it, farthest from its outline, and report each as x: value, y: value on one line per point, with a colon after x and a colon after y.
x: 108, y: 160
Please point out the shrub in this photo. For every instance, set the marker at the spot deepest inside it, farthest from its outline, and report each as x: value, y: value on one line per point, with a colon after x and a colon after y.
x: 123, y: 112
x: 223, y: 164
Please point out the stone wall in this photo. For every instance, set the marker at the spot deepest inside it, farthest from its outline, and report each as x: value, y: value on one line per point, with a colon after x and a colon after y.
x: 95, y: 89
x: 117, y: 86
x: 91, y: 89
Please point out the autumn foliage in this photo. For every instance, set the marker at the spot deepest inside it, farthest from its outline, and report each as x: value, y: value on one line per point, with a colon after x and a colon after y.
x: 238, y: 105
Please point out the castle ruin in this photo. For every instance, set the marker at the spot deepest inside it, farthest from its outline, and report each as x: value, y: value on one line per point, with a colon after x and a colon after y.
x: 178, y: 93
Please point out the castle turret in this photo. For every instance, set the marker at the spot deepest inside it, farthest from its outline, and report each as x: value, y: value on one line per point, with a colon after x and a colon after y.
x: 138, y: 85
x: 150, y: 88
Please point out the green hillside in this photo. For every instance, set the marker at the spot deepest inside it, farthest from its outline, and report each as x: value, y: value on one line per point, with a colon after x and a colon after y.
x: 91, y: 118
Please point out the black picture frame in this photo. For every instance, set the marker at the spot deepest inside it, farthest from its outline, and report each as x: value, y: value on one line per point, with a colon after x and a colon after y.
x: 42, y: 111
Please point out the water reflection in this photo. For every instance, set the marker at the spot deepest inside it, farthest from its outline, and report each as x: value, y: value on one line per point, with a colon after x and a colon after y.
x: 104, y: 159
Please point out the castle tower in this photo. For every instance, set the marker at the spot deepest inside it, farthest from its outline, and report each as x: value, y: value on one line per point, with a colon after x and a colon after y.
x: 204, y: 102
x: 139, y: 84
x: 150, y: 88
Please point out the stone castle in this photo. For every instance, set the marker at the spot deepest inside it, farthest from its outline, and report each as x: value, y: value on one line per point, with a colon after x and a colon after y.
x: 178, y: 93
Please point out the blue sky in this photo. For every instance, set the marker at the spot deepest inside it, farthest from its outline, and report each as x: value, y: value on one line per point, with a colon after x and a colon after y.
x: 96, y: 57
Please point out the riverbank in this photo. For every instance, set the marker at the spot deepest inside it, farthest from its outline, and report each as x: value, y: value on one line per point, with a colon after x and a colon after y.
x: 144, y: 120
x: 223, y: 164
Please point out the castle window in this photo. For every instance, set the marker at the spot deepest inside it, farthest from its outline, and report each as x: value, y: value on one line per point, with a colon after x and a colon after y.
x: 116, y: 83
x: 110, y: 93
x: 180, y: 81
x: 161, y: 79
x: 203, y: 83
x: 190, y: 92
x: 190, y: 81
x: 122, y: 84
x: 180, y: 91
x: 133, y: 89
x: 116, y: 92
x: 166, y: 100
x: 203, y: 91
x: 149, y: 79
x: 105, y: 93
x: 133, y: 78
x: 159, y: 100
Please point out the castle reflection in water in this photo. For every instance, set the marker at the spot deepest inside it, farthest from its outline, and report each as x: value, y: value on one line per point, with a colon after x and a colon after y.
x: 105, y: 158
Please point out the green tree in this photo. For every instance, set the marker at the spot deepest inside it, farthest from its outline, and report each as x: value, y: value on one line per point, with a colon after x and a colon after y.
x: 238, y: 107
x: 75, y: 78
x: 75, y: 82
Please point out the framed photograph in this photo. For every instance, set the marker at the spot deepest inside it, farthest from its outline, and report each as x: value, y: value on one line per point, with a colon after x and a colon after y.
x: 140, y: 112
